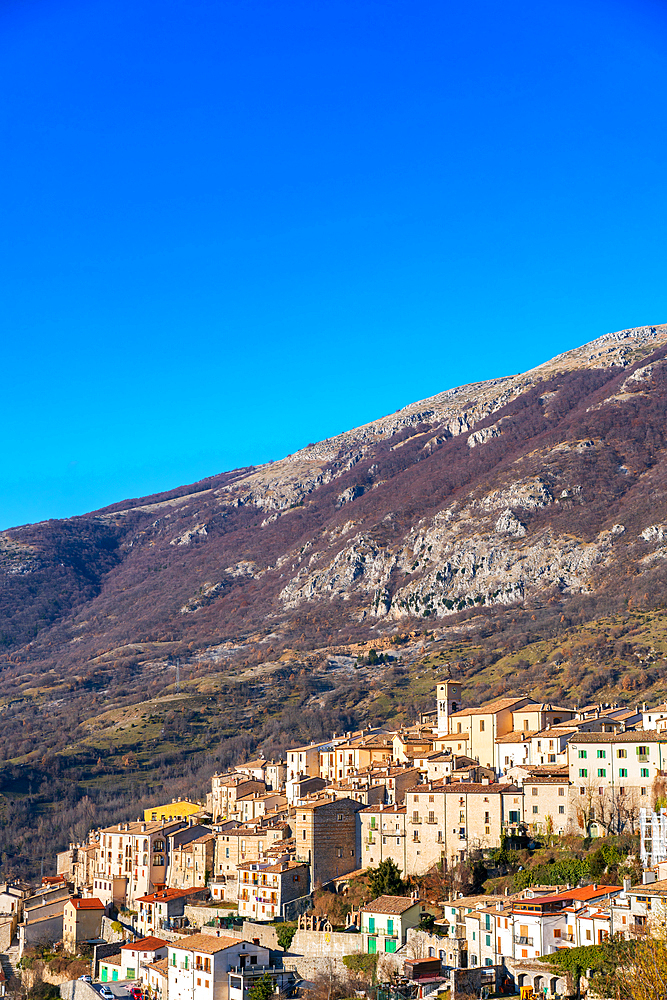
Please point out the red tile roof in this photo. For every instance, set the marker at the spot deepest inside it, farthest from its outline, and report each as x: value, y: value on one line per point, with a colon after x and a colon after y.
x: 583, y: 894
x: 87, y: 904
x: 145, y: 944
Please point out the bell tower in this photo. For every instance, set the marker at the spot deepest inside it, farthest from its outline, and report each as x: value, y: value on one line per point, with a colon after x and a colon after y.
x: 448, y: 696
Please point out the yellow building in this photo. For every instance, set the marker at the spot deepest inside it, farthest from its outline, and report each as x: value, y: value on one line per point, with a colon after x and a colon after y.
x: 178, y: 809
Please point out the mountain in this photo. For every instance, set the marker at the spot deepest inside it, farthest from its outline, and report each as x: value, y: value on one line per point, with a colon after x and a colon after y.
x: 497, y: 529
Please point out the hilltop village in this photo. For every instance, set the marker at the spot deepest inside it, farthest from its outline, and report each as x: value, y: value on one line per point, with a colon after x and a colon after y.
x: 342, y: 859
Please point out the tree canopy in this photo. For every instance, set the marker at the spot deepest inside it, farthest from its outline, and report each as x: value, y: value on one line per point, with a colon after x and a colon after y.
x: 385, y: 880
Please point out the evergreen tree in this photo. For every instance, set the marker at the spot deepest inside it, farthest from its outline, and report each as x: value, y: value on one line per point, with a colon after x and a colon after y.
x: 385, y: 880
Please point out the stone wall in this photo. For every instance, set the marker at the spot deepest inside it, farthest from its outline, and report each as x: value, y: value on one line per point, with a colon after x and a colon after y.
x: 7, y: 931
x: 264, y: 933
x: 315, y: 953
x: 112, y: 936
x: 76, y: 990
x: 295, y: 907
x: 199, y: 915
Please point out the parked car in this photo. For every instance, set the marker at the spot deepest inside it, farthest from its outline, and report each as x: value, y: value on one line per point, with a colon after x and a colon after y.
x: 106, y: 993
x: 85, y: 979
x: 136, y: 993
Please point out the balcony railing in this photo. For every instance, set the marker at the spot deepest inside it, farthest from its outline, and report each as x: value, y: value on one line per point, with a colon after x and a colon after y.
x: 524, y: 940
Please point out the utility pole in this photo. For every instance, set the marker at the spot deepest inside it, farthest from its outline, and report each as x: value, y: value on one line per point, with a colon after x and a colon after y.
x: 178, y: 675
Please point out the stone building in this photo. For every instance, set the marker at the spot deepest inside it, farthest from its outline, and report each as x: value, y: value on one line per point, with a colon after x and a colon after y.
x: 192, y: 864
x: 327, y: 838
x: 82, y: 921
x: 226, y: 789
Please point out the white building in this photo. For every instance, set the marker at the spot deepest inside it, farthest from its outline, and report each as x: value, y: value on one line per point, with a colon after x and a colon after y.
x: 199, y: 966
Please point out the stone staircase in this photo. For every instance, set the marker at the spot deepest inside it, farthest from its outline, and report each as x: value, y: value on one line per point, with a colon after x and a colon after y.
x: 9, y: 962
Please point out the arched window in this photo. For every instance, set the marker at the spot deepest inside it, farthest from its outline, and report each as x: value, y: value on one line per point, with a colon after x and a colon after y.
x: 431, y: 953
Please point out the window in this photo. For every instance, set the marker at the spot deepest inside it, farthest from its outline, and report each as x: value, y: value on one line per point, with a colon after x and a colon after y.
x: 642, y: 751
x: 556, y: 932
x: 583, y: 754
x: 602, y: 753
x: 431, y: 816
x: 339, y: 852
x: 643, y: 772
x: 622, y: 754
x: 622, y: 772
x: 583, y: 773
x: 431, y: 798
x: 582, y: 791
x: 561, y: 791
x: 642, y: 791
x: 602, y: 772
x: 303, y: 834
x: 486, y: 817
x: 535, y: 810
x: 481, y: 725
x: 198, y: 981
x: 588, y: 935
x: 561, y: 809
x: 535, y: 790
x: 339, y: 817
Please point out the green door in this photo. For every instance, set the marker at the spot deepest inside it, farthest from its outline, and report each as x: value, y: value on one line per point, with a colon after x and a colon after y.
x: 371, y: 925
x: 130, y: 973
x: 104, y: 973
x: 390, y: 928
x: 114, y: 975
x: 372, y: 945
x: 390, y: 946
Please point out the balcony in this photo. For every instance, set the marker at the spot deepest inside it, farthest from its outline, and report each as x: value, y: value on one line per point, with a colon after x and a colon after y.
x: 642, y: 758
x: 416, y: 820
x: 524, y: 940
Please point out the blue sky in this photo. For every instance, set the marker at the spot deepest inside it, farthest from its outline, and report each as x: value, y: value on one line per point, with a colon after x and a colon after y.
x: 231, y: 227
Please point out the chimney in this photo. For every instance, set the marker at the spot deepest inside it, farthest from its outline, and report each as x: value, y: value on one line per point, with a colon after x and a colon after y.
x: 627, y: 884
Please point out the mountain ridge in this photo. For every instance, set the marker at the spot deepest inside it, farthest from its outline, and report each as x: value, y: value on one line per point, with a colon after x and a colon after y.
x: 511, y: 532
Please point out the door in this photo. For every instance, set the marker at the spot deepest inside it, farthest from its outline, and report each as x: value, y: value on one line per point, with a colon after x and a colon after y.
x: 390, y: 928
x: 372, y: 945
x: 104, y: 974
